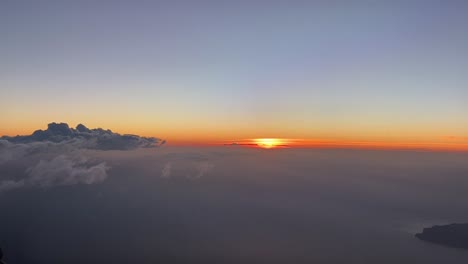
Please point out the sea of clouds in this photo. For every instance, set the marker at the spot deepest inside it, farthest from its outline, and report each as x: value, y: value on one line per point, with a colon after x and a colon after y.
x: 76, y: 196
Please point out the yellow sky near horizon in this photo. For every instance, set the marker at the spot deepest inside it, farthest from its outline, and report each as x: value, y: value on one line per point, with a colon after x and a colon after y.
x: 199, y: 133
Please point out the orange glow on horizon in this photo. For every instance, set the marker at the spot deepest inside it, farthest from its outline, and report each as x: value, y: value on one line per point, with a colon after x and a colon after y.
x: 272, y: 143
x: 177, y: 136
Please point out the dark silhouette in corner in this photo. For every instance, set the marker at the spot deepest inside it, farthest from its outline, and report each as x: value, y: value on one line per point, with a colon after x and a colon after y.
x: 1, y: 257
x: 453, y: 235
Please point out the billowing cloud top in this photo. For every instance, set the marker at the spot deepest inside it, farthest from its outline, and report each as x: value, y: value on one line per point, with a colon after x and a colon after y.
x: 83, y: 137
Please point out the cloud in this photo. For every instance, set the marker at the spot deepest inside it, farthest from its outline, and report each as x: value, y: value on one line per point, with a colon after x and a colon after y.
x: 191, y: 170
x: 201, y: 169
x: 65, y: 169
x: 83, y: 137
x: 166, y: 171
x: 16, y: 151
x: 10, y: 184
x: 61, y: 156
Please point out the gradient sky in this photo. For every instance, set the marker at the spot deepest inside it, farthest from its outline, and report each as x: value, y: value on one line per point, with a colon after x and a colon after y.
x: 209, y: 71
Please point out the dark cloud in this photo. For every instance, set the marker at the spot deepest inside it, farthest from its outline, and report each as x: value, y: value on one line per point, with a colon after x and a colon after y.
x: 97, y: 138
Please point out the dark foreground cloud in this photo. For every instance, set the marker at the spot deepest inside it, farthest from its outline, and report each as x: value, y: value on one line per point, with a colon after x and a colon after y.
x: 84, y: 137
x: 61, y: 155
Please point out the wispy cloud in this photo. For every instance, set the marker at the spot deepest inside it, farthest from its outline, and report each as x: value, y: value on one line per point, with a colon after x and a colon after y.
x: 166, y: 171
x: 186, y: 165
x: 201, y: 169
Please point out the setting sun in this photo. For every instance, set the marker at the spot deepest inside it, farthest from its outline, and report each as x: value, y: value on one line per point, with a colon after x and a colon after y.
x: 268, y: 142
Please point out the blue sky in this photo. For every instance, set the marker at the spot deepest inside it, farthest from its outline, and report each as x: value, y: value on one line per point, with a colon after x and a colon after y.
x: 358, y: 69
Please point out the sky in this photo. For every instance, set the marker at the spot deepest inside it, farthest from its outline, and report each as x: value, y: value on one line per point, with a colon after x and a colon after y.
x: 387, y: 73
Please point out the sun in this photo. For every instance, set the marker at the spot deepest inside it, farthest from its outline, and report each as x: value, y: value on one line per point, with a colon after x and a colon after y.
x: 268, y: 142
